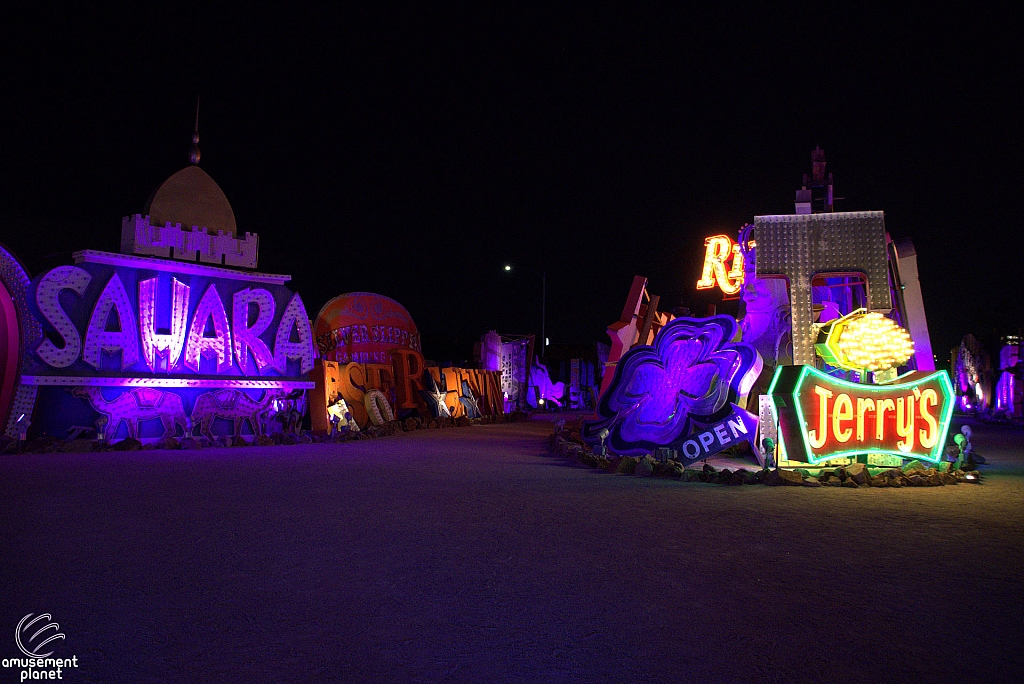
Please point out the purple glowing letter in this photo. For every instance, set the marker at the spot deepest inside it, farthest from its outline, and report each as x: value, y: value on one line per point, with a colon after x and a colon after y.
x: 294, y: 317
x: 247, y: 339
x: 218, y: 346
x: 153, y: 343
x: 61, y: 278
x: 98, y: 339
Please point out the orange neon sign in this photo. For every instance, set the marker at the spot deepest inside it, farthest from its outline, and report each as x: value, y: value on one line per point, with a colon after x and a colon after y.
x: 723, y: 265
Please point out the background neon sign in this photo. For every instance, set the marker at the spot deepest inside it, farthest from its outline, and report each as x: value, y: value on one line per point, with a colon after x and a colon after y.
x: 723, y: 265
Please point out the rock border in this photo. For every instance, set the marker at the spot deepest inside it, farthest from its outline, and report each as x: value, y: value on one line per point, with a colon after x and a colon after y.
x: 567, y: 442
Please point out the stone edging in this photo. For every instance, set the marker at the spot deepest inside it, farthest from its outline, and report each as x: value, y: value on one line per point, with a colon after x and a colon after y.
x: 566, y: 442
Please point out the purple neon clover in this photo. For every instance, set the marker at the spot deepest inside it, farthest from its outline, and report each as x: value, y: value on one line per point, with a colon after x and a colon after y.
x: 692, y: 372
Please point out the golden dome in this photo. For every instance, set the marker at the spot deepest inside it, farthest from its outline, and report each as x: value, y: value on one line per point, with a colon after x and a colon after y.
x: 190, y: 197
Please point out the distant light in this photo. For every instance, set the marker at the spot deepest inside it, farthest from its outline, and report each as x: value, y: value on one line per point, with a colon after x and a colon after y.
x: 508, y: 267
x: 540, y: 401
x: 547, y: 341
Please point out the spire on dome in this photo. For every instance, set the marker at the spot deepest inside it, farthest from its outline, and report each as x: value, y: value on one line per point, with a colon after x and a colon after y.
x: 193, y: 155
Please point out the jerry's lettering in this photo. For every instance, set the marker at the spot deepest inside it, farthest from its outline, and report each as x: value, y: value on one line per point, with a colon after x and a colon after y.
x: 822, y: 417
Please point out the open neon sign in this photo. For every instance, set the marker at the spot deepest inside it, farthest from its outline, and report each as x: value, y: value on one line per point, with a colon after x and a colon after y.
x: 821, y: 417
x: 723, y: 265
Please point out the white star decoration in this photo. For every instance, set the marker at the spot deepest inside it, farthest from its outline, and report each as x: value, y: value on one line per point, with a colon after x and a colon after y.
x: 435, y: 398
x: 469, y: 401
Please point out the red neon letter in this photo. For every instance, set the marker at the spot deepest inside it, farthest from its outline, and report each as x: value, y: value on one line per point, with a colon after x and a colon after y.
x: 881, y: 405
x: 718, y: 248
x: 820, y: 435
x: 863, y: 406
x: 905, y: 423
x: 841, y: 412
x: 929, y: 398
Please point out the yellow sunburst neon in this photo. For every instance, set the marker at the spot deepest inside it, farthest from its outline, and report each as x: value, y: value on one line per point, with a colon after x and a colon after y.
x: 868, y: 340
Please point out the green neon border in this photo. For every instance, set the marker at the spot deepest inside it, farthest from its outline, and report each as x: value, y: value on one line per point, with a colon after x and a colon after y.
x: 832, y: 341
x: 775, y: 412
x: 832, y: 345
x: 934, y: 456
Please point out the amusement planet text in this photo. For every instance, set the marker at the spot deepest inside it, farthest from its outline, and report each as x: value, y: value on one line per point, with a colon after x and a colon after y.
x: 41, y: 668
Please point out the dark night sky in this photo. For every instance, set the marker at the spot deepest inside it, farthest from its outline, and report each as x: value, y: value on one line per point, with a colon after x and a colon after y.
x: 412, y: 154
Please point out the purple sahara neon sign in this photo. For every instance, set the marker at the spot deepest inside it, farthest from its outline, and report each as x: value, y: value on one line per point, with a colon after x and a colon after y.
x: 176, y: 321
x: 125, y: 320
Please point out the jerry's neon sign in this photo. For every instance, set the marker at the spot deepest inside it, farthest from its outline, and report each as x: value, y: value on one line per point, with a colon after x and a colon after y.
x: 723, y: 265
x: 821, y: 417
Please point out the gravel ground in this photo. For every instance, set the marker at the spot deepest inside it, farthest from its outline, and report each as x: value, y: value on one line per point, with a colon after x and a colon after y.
x: 473, y: 555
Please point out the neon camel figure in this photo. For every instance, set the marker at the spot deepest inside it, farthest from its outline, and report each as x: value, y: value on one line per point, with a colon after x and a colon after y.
x: 233, y: 405
x: 134, y: 406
